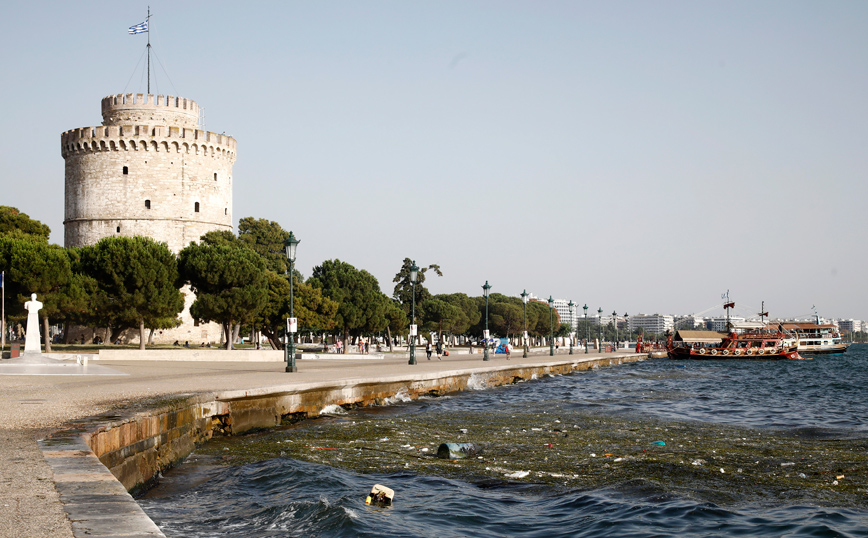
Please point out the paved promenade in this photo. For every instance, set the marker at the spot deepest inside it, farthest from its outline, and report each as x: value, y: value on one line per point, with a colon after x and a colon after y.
x: 32, y: 407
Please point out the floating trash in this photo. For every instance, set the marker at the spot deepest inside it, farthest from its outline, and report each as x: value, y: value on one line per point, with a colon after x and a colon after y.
x: 660, y: 443
x: 380, y: 496
x: 455, y: 451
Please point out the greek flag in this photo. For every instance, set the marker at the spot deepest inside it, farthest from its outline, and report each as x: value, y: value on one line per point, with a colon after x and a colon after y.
x: 140, y: 28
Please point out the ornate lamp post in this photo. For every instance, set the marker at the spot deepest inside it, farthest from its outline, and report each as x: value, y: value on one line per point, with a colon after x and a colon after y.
x: 600, y: 329
x: 572, y: 309
x: 485, y: 290
x: 524, y: 295
x: 552, y: 326
x: 414, y: 274
x: 629, y: 332
x: 587, y: 328
x: 615, y: 323
x: 289, y: 349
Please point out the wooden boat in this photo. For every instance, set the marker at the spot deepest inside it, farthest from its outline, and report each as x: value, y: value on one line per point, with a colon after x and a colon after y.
x: 714, y: 345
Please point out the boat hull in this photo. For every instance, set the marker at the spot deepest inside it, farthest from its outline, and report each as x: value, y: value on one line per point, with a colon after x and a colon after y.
x: 682, y: 353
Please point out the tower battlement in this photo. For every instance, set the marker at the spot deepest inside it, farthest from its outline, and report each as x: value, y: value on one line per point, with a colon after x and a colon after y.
x: 137, y: 108
x: 147, y: 138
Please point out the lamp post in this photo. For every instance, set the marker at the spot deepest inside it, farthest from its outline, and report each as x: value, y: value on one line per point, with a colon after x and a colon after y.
x: 551, y: 326
x: 587, y: 328
x: 289, y: 349
x: 485, y: 290
x: 524, y: 295
x: 572, y: 309
x: 615, y: 324
x: 629, y: 332
x: 414, y: 273
x: 600, y: 329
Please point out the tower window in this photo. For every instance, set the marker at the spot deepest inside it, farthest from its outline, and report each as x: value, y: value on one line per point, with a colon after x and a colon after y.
x: 119, y: 229
x: 147, y: 204
x: 225, y: 210
x: 215, y: 176
x: 197, y: 207
x: 126, y: 170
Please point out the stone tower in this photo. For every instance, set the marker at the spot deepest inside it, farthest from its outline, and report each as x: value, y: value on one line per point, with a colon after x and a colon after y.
x: 148, y: 170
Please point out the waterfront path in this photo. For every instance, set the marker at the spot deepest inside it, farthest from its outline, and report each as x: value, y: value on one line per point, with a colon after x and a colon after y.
x: 32, y: 407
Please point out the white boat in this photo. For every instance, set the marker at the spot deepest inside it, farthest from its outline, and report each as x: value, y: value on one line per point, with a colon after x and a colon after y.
x: 817, y: 339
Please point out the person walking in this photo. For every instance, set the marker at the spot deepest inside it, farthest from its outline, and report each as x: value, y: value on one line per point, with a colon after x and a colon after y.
x: 439, y: 349
x: 428, y: 350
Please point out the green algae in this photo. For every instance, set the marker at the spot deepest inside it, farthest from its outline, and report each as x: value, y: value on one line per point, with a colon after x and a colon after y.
x: 726, y: 465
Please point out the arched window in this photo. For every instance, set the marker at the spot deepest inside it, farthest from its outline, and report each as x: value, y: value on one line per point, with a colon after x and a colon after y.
x: 147, y: 204
x: 215, y: 176
x: 119, y: 229
x: 126, y: 170
x: 197, y: 207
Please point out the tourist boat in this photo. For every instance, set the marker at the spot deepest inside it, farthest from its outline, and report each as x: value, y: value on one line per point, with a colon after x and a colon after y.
x: 751, y: 345
x: 816, y: 339
x: 756, y: 342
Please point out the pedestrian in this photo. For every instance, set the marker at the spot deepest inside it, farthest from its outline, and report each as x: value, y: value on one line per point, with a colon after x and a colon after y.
x: 439, y: 349
x: 506, y: 348
x: 428, y: 350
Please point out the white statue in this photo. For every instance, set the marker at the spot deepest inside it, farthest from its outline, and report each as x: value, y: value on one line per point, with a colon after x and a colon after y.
x: 31, y: 340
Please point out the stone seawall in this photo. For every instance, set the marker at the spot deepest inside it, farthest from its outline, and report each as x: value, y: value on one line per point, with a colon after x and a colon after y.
x: 136, y: 448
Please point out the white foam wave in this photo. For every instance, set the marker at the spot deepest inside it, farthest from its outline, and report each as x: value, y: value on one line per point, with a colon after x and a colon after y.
x: 401, y: 396
x: 333, y: 409
x: 476, y: 382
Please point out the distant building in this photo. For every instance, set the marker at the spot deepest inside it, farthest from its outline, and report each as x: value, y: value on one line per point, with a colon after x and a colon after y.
x: 850, y: 325
x: 651, y: 324
x: 719, y: 324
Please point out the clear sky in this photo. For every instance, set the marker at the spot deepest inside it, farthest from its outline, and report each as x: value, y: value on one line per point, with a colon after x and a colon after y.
x: 638, y: 156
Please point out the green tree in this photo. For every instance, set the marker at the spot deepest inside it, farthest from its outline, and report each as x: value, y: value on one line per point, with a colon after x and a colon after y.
x: 137, y: 281
x: 14, y: 222
x: 314, y: 312
x: 229, y: 282
x: 403, y: 292
x: 33, y: 266
x: 468, y: 313
x: 439, y: 315
x: 267, y: 239
x: 362, y: 306
x: 507, y: 318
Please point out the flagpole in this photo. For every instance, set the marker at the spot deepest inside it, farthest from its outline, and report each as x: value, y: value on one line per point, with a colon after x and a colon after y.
x: 149, y: 49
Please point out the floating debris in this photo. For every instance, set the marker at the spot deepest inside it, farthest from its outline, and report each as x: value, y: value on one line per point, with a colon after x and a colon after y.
x: 380, y: 496
x: 456, y: 451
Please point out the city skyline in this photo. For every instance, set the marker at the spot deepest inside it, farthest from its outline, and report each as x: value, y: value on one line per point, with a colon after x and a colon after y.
x: 637, y: 157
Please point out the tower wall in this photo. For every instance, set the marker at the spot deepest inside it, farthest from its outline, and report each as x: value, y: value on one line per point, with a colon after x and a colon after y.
x: 148, y: 171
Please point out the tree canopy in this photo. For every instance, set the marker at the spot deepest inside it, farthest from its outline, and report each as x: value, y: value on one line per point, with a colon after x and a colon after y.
x: 14, y: 222
x: 229, y: 281
x: 137, y: 283
x: 362, y: 307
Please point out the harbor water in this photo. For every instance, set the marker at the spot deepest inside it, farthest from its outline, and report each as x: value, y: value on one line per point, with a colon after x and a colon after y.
x: 657, y: 448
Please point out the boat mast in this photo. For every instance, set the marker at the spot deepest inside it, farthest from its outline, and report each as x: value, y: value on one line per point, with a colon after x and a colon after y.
x: 763, y: 314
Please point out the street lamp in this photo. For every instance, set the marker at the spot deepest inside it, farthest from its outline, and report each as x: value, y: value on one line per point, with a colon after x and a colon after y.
x: 600, y: 329
x: 289, y: 349
x: 615, y: 323
x: 524, y: 295
x: 414, y: 273
x: 572, y: 309
x: 485, y: 290
x: 552, y: 326
x: 629, y: 332
x: 587, y: 328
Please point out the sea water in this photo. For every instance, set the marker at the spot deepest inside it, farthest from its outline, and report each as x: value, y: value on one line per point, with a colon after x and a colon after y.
x: 823, y: 398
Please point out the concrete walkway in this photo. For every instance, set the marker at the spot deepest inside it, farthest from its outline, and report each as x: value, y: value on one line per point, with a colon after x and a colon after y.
x: 32, y: 407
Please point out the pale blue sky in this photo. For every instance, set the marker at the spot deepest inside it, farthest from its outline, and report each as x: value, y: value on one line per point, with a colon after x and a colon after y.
x: 635, y: 156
